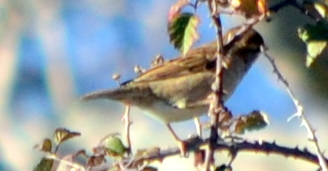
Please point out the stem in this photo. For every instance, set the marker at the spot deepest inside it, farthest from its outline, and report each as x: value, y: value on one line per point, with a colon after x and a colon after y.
x: 214, y: 109
x: 127, y: 125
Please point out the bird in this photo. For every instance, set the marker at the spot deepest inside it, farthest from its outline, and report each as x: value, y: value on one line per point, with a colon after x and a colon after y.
x: 178, y: 90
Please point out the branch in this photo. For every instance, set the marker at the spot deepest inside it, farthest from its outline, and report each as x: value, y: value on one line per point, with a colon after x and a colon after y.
x: 193, y: 144
x: 300, y: 114
x: 127, y: 125
x: 244, y: 146
x: 217, y: 103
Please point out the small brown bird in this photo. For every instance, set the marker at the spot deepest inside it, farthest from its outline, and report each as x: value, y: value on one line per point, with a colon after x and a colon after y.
x: 178, y: 90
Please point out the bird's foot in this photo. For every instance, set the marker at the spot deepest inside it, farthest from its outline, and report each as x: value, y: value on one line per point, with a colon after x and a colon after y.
x: 183, y: 148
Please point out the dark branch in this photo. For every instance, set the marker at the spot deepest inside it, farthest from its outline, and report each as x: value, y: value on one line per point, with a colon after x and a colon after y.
x: 245, y: 146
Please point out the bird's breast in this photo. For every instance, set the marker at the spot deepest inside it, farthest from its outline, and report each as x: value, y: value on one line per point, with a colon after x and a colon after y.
x: 168, y: 114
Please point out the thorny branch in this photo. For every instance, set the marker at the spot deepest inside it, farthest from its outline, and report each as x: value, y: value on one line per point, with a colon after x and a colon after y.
x: 257, y: 146
x: 216, y: 104
x: 243, y: 146
x: 300, y: 114
x: 217, y: 107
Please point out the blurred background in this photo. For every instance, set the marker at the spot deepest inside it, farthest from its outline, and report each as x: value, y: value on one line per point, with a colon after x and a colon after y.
x: 54, y: 51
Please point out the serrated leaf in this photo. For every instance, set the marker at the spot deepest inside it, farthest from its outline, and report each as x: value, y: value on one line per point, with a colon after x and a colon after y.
x: 254, y: 121
x: 316, y: 39
x: 183, y: 31
x: 114, y: 146
x: 44, y: 165
x: 314, y: 49
x: 62, y: 134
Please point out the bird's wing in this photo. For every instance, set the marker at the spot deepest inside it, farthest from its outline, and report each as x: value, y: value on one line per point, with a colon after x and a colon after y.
x: 196, y: 60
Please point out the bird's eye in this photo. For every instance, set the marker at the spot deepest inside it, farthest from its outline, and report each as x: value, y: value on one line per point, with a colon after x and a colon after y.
x: 210, y: 65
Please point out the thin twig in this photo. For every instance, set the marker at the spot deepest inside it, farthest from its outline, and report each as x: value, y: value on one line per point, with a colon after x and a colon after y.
x: 198, y: 127
x: 127, y: 125
x: 300, y: 114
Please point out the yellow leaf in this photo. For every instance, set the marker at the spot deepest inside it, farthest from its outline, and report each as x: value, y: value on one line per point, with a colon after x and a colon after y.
x: 314, y: 49
x: 321, y: 9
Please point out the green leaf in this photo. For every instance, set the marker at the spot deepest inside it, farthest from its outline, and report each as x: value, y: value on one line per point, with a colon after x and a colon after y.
x: 46, y: 145
x: 183, y: 31
x: 63, y: 134
x: 114, y: 146
x: 44, y: 165
x: 314, y: 49
x: 316, y: 38
x: 255, y: 120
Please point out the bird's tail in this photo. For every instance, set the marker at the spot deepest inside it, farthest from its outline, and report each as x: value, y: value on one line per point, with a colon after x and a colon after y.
x: 126, y: 94
x: 113, y: 94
